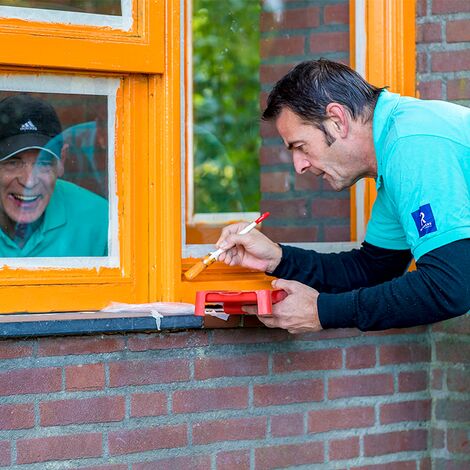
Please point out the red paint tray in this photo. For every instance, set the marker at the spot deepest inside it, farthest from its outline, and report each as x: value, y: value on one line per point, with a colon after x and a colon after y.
x: 232, y: 302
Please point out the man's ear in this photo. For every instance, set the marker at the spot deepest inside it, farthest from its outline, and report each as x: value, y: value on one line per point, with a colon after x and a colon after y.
x: 61, y: 163
x: 339, y: 118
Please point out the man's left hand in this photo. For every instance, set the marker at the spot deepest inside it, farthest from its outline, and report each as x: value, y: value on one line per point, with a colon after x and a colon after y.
x: 298, y: 312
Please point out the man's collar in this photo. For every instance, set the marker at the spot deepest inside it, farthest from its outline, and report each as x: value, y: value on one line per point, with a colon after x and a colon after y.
x: 386, y: 103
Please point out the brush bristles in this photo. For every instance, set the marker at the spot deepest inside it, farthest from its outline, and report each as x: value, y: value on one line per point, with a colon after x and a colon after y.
x: 195, y: 270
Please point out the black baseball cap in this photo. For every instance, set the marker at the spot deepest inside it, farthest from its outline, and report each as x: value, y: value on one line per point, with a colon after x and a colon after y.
x: 28, y: 123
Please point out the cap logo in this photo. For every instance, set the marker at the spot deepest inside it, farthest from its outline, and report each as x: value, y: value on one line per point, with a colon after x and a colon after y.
x: 28, y: 126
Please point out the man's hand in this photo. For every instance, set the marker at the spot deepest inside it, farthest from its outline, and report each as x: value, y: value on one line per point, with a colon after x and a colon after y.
x: 297, y: 313
x: 252, y: 250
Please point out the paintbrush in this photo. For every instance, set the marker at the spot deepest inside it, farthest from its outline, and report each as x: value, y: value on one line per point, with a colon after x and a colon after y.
x: 202, y: 264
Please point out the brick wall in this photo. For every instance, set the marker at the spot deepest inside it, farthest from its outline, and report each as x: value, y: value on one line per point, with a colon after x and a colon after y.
x: 443, y: 72
x: 221, y: 399
x: 303, y: 208
x: 443, y: 50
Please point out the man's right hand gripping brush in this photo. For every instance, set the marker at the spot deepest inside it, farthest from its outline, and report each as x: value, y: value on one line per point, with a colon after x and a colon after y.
x: 297, y: 313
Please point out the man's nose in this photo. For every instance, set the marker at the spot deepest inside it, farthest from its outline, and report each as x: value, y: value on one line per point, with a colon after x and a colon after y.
x: 301, y: 164
x: 28, y: 175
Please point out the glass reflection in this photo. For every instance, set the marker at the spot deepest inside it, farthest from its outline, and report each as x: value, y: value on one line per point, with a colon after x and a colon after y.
x: 102, y: 7
x: 53, y: 177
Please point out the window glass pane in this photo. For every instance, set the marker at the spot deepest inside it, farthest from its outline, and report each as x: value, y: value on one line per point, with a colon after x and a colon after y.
x: 56, y: 153
x: 103, y: 7
x: 226, y: 64
x: 240, y: 49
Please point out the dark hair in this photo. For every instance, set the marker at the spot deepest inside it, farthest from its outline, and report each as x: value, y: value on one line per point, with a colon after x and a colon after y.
x: 311, y: 85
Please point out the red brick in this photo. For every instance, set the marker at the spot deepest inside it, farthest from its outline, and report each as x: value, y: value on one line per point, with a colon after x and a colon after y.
x: 458, y: 441
x: 5, y: 453
x: 450, y: 61
x: 271, y: 73
x: 360, y: 357
x: 292, y: 234
x: 85, y: 377
x: 360, y: 386
x: 452, y: 350
x: 458, y: 31
x: 288, y: 455
x: 428, y: 32
x: 324, y: 359
x: 275, y: 182
x: 79, y: 345
x: 453, y: 410
x: 421, y: 7
x: 148, y: 404
x: 11, y: 349
x: 88, y: 410
x: 292, y: 392
x: 458, y: 380
x: 404, y: 353
x: 68, y: 447
x: 437, y: 379
x: 329, y: 42
x: 287, y: 46
x: 287, y: 425
x: 422, y: 62
x: 206, y: 432
x: 401, y: 465
x: 125, y: 373
x: 193, y: 462
x: 307, y: 182
x: 430, y: 90
x: 131, y: 441
x: 341, y: 449
x: 412, y: 381
x: 16, y: 416
x: 268, y: 130
x: 329, y: 334
x: 340, y: 418
x: 275, y: 155
x: 106, y: 467
x: 440, y: 7
x: 243, y: 336
x: 340, y: 233
x: 336, y: 14
x: 330, y: 208
x: 397, y: 441
x: 459, y: 325
x: 286, y: 209
x: 26, y: 381
x: 450, y: 464
x: 238, y: 366
x: 205, y: 399
x: 418, y: 410
x: 458, y: 89
x: 233, y: 460
x: 180, y: 340
x: 437, y: 438
x: 298, y: 18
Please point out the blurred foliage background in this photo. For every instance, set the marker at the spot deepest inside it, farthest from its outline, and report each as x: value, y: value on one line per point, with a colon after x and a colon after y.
x: 226, y: 89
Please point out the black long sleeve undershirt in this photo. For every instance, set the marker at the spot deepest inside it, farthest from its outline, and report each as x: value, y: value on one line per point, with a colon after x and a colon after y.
x: 367, y: 288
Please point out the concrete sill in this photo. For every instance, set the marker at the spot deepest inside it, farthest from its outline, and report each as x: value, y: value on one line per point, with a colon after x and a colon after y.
x: 83, y: 323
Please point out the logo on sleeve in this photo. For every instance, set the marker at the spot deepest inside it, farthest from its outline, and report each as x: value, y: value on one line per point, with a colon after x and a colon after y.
x: 424, y: 220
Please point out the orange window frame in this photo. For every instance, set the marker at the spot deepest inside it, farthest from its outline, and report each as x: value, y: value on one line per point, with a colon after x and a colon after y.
x: 135, y: 58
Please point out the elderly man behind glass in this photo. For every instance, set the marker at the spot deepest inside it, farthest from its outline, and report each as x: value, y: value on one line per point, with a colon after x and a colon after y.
x: 40, y: 214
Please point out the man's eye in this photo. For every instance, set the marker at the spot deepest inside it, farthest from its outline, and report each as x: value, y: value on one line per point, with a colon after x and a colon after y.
x: 11, y: 163
x: 44, y: 164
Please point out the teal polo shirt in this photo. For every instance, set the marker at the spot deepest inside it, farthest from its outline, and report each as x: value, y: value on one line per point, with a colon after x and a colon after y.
x: 75, y: 224
x: 423, y: 174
